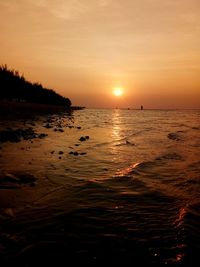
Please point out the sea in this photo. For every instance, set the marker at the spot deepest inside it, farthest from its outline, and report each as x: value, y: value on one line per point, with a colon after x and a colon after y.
x: 114, y: 187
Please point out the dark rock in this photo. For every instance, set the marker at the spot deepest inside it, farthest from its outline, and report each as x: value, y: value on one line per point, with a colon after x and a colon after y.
x: 174, y: 136
x: 83, y: 153
x: 10, y: 136
x: 82, y: 138
x: 48, y: 126
x: 27, y: 133
x: 9, y: 178
x: 42, y: 135
x: 60, y: 153
x: 17, y: 135
x: 75, y: 153
x: 13, y: 181
x: 27, y: 178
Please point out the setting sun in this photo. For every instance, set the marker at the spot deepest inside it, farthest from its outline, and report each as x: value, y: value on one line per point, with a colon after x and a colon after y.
x: 118, y: 91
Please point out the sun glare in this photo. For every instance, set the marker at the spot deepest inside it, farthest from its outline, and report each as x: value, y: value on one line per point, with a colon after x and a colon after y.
x: 118, y: 91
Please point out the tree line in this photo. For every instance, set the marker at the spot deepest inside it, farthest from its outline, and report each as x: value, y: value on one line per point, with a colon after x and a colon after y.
x: 14, y: 86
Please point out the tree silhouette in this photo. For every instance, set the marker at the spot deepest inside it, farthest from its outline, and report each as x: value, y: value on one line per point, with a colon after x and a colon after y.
x: 14, y: 86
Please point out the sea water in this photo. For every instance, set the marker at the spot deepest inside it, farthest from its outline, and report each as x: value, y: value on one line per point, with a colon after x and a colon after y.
x: 127, y: 193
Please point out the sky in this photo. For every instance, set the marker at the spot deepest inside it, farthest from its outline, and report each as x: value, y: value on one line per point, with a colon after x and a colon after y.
x: 83, y: 49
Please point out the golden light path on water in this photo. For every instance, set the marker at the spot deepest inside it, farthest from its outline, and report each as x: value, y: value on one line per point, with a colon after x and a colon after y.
x: 116, y: 125
x: 119, y: 139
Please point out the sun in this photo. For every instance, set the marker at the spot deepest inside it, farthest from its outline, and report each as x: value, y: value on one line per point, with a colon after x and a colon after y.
x: 118, y: 91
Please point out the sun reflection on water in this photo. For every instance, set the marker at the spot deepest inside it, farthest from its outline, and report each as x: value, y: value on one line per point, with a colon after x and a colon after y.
x: 181, y: 217
x: 116, y: 135
x: 179, y: 222
x: 127, y: 171
x: 116, y: 122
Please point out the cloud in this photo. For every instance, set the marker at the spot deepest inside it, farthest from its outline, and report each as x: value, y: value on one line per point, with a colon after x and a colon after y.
x: 70, y: 9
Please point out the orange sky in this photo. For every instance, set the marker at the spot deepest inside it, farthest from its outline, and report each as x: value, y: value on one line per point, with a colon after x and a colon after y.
x: 84, y: 48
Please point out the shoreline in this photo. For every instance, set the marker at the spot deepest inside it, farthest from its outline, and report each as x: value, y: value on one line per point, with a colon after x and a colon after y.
x: 14, y: 109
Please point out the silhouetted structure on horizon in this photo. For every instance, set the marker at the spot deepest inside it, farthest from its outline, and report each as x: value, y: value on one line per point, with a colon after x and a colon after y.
x: 14, y: 87
x: 141, y: 107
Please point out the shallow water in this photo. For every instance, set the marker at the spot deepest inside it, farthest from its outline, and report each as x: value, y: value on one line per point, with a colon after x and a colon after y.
x: 130, y: 197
